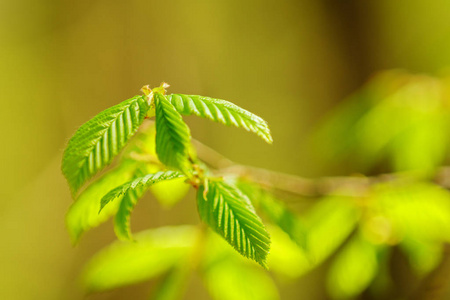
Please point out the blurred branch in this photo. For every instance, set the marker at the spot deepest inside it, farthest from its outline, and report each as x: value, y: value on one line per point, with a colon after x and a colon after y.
x: 345, y: 185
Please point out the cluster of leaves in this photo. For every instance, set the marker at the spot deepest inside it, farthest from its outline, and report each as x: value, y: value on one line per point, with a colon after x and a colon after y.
x: 397, y: 123
x: 360, y: 234
x: 160, y: 158
x: 397, y: 119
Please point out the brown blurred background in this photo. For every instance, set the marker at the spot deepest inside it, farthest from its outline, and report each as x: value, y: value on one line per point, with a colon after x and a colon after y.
x: 288, y: 61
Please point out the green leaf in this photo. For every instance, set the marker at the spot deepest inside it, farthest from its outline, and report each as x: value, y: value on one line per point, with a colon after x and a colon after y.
x: 170, y: 192
x: 228, y: 280
x: 172, y: 135
x: 98, y: 141
x: 276, y: 212
x: 408, y: 150
x: 414, y: 210
x: 155, y: 252
x: 130, y: 193
x: 423, y: 256
x: 328, y: 225
x: 83, y: 213
x: 173, y: 284
x: 286, y: 257
x: 229, y: 213
x: 221, y: 111
x: 353, y: 269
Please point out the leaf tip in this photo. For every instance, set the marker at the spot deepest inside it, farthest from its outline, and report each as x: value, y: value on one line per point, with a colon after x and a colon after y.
x: 264, y: 264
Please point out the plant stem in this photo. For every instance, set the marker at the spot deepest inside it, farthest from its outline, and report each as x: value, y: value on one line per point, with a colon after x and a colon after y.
x: 344, y: 185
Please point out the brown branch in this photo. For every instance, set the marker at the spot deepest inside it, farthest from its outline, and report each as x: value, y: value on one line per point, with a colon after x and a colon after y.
x: 349, y: 186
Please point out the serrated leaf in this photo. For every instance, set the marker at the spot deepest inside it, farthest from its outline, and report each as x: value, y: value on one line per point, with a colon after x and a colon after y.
x: 229, y: 280
x: 221, y: 111
x: 154, y: 252
x: 83, y: 213
x: 353, y: 269
x: 276, y: 212
x: 229, y: 213
x: 130, y: 193
x: 172, y: 135
x: 99, y: 140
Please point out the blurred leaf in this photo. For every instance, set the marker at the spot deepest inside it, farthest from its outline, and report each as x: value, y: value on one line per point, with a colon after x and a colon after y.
x: 154, y: 252
x: 229, y: 280
x: 398, y: 116
x: 337, y: 135
x: 172, y: 285
x: 409, y: 152
x: 172, y: 136
x: 83, y: 213
x: 170, y: 192
x: 286, y: 257
x: 276, y: 212
x: 353, y: 269
x: 144, y: 142
x: 416, y: 140
x: 416, y: 210
x: 333, y: 140
x: 99, y: 140
x: 129, y: 193
x: 221, y: 111
x: 229, y: 213
x: 329, y: 223
x: 423, y: 256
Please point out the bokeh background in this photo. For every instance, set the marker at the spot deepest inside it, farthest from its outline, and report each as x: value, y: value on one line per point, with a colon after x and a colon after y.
x: 289, y: 61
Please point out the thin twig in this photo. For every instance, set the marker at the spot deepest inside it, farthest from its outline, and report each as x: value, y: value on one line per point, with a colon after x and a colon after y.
x: 345, y: 185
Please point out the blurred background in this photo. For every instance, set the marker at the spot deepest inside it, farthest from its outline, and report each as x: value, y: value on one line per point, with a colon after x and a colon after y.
x: 292, y: 62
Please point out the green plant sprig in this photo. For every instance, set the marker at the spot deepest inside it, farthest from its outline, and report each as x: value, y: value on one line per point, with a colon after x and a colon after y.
x: 221, y: 205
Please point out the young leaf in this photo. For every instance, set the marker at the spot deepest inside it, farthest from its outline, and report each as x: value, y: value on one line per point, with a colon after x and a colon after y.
x: 155, y: 252
x: 229, y: 212
x: 172, y: 135
x: 126, y: 206
x: 230, y: 280
x: 286, y: 257
x: 130, y: 193
x: 83, y: 213
x: 415, y: 210
x: 99, y: 140
x: 276, y: 212
x: 221, y: 111
x: 173, y: 284
x: 328, y: 224
x: 168, y: 193
x: 423, y: 255
x: 353, y: 269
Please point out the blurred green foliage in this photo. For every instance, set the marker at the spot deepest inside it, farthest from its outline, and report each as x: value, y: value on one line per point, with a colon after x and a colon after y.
x: 399, y: 119
x: 290, y: 61
x: 354, y: 228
